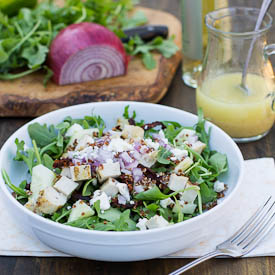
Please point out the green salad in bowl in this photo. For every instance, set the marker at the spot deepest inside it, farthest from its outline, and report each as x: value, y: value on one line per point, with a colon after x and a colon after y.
x: 133, y: 176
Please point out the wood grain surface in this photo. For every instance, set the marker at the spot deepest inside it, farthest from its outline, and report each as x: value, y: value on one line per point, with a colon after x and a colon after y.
x: 28, y: 97
x: 181, y: 97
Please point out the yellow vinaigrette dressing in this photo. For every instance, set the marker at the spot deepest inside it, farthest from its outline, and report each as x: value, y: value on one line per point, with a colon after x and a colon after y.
x: 227, y: 106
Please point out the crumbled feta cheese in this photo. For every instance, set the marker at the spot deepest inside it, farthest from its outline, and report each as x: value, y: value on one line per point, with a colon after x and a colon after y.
x: 156, y: 222
x: 178, y: 153
x: 164, y: 203
x: 219, y: 186
x: 177, y: 183
x: 83, y: 142
x: 123, y: 190
x: 103, y: 198
x: 108, y: 170
x: 142, y: 224
x: 110, y: 187
x: 152, y: 144
x: 119, y: 145
x: 73, y: 129
x: 162, y: 136
x: 184, y: 134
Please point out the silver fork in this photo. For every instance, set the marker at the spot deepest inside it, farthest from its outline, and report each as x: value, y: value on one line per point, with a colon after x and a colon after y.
x: 244, y: 240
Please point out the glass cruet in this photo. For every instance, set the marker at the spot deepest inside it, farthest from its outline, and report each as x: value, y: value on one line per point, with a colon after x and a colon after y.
x: 244, y: 116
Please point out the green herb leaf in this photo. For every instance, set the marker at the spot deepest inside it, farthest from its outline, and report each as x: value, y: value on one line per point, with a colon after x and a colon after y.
x: 41, y: 134
x: 27, y: 156
x: 14, y: 188
x: 47, y: 161
x: 207, y: 194
x: 111, y: 215
x: 125, y: 223
x: 149, y: 60
x: 163, y: 156
x: 152, y: 194
x: 219, y: 162
x: 83, y: 222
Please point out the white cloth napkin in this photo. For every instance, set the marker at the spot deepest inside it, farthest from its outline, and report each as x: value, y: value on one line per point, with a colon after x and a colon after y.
x: 257, y: 186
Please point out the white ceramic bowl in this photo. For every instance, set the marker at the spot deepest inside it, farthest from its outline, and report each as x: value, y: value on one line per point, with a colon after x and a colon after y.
x: 121, y: 246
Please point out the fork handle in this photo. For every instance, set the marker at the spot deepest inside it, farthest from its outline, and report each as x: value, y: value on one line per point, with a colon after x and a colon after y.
x: 196, y: 262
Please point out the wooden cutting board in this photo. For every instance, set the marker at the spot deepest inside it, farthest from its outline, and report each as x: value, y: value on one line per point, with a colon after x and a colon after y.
x: 28, y: 97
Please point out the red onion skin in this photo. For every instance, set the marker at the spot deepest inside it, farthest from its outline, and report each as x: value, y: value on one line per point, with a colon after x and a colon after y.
x: 77, y: 37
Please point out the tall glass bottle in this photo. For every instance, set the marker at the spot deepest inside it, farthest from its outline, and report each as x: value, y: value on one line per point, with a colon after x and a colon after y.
x: 194, y: 35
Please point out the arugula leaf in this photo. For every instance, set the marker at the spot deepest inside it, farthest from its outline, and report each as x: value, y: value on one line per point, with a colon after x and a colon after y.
x: 207, y: 194
x: 125, y: 223
x: 111, y: 215
x: 163, y: 156
x: 137, y: 19
x: 83, y: 222
x: 149, y: 61
x: 19, y: 191
x: 27, y: 156
x: 61, y: 213
x: 23, y: 184
x: 104, y: 226
x: 202, y: 134
x: 136, y: 46
x: 153, y: 207
x: 152, y: 194
x: 47, y: 161
x: 96, y: 122
x: 26, y: 37
x: 41, y: 134
x: 88, y: 187
x: 219, y: 162
x: 126, y: 113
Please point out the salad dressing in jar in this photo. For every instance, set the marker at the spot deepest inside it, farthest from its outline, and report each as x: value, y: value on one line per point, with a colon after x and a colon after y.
x: 244, y: 116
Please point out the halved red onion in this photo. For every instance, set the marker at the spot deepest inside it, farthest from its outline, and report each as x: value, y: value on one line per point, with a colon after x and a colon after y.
x: 84, y: 52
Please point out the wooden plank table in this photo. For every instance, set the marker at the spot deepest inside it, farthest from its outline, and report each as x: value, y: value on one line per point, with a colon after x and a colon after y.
x: 181, y: 97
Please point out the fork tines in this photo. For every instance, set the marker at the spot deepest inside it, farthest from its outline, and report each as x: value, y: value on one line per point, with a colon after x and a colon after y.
x: 256, y: 228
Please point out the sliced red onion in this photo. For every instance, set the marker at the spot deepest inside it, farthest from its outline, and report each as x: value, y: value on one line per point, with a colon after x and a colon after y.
x: 137, y: 146
x: 122, y: 166
x: 138, y: 188
x: 84, y: 52
x: 125, y: 171
x: 126, y: 158
x: 104, y: 155
x: 136, y: 155
x: 121, y: 199
x: 132, y: 165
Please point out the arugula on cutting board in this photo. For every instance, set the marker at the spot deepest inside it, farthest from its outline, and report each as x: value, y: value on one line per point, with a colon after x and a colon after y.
x: 26, y: 37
